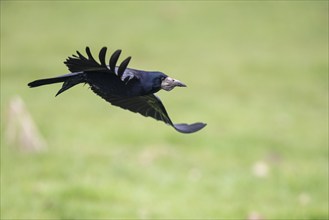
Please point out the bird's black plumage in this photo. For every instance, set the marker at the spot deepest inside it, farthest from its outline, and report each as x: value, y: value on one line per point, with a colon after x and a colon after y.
x: 124, y: 87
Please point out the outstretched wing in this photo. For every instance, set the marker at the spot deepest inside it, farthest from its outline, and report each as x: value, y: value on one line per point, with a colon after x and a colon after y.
x: 151, y: 106
x: 148, y: 106
x: 80, y: 63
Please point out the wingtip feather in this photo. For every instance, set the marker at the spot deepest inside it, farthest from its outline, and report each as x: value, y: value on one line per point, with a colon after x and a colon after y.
x: 101, y: 56
x: 114, y: 59
x: 189, y: 128
x: 123, y: 66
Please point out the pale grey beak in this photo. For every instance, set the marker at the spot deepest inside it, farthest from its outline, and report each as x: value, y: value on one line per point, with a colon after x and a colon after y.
x: 169, y: 83
x: 179, y: 83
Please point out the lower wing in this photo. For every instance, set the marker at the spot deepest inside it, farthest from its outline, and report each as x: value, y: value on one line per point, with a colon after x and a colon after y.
x: 150, y: 106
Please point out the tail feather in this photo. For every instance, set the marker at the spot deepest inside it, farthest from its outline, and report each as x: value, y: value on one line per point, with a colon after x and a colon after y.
x: 69, y: 80
x: 63, y: 78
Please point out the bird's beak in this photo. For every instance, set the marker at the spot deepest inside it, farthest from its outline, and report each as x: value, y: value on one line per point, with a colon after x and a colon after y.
x: 169, y: 83
x: 178, y: 83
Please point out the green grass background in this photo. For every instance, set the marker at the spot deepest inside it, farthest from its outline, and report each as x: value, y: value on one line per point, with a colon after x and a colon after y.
x: 257, y: 73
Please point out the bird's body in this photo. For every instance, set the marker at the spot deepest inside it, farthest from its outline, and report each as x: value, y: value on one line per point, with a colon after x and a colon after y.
x: 124, y: 87
x: 143, y: 83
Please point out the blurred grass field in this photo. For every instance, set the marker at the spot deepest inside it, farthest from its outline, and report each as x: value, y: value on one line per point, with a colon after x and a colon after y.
x: 257, y: 73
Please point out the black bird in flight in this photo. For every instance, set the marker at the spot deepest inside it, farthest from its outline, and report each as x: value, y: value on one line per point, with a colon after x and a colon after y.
x: 124, y: 87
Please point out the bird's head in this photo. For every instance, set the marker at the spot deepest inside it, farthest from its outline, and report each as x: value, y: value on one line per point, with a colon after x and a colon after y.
x: 168, y: 83
x: 159, y: 80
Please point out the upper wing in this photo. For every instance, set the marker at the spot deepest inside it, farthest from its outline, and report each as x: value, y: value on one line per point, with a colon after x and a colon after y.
x: 79, y: 63
x: 151, y: 106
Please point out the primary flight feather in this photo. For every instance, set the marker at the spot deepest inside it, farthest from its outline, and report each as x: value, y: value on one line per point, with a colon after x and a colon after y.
x: 124, y: 87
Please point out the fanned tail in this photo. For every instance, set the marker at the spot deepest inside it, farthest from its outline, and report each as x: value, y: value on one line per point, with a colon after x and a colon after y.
x: 69, y: 80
